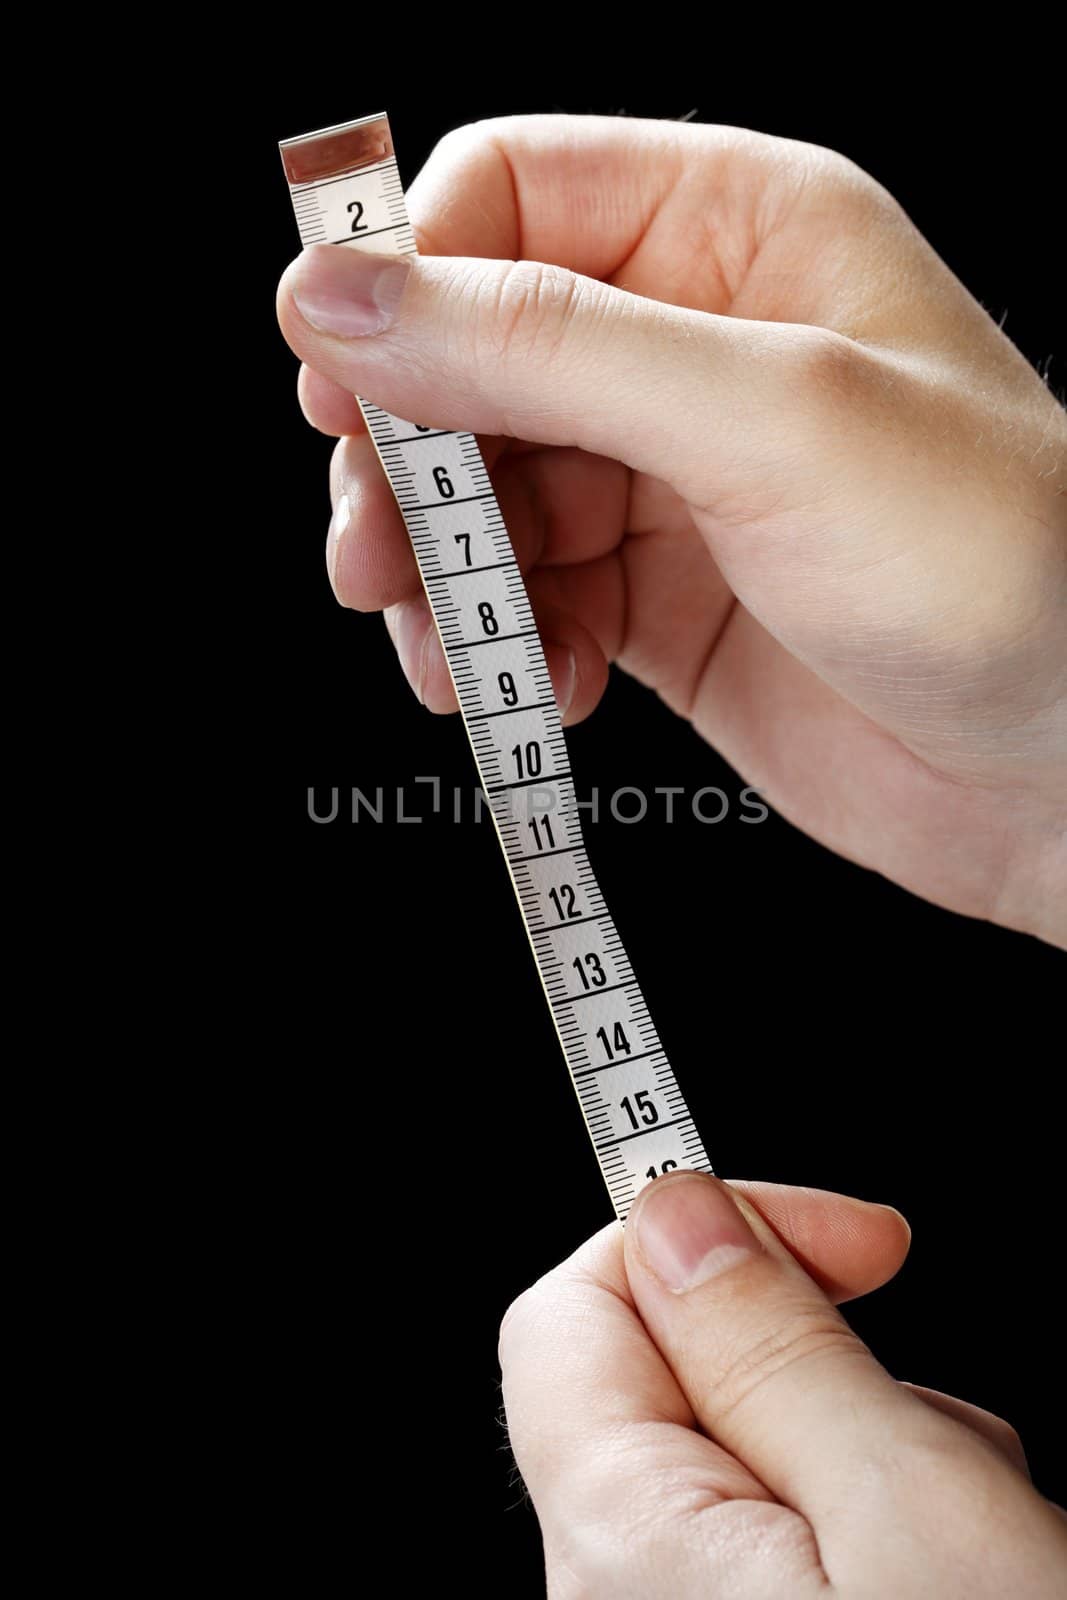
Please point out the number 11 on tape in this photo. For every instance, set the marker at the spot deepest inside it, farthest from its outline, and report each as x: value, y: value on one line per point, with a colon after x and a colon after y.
x: 346, y: 189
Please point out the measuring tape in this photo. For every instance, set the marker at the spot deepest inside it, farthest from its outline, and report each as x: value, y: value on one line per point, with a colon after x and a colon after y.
x: 346, y: 189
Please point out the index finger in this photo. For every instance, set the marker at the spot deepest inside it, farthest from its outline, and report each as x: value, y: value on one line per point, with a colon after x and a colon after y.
x: 573, y: 191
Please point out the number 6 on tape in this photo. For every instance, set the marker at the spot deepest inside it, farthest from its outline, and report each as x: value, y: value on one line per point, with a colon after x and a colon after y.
x: 346, y: 189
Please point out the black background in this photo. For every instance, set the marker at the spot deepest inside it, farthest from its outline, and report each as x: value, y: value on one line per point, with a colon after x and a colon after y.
x: 408, y: 1155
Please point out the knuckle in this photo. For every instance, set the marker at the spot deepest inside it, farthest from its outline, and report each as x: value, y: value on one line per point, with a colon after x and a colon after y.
x: 1007, y: 1437
x: 529, y: 309
x: 458, y: 143
x: 472, y: 135
x: 626, y: 1547
x: 568, y: 1294
x: 804, y: 1336
x: 836, y: 186
x: 468, y: 149
x: 829, y: 388
x: 519, y: 1314
x: 840, y: 174
x: 1009, y: 1433
x: 620, y: 1547
x: 805, y: 168
x: 824, y: 363
x: 732, y: 1532
x: 482, y: 132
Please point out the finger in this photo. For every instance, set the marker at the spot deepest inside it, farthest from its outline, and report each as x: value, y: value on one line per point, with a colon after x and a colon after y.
x: 771, y: 1370
x: 542, y: 353
x: 558, y: 506
x: 581, y: 501
x: 577, y: 1363
x: 575, y: 662
x: 368, y: 552
x: 593, y: 594
x: 577, y: 191
x: 327, y: 406
x: 372, y: 565
x: 849, y: 1246
x: 1001, y: 1435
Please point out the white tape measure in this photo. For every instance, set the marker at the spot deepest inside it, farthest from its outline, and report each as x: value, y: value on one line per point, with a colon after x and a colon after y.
x: 346, y: 189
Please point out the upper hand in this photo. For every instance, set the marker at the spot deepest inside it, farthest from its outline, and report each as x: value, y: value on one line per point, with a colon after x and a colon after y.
x: 753, y: 441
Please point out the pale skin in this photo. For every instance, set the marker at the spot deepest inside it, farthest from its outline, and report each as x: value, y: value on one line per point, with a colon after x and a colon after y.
x: 757, y: 445
x: 693, y: 1418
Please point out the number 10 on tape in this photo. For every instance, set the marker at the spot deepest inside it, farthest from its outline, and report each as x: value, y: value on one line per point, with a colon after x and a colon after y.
x: 346, y: 189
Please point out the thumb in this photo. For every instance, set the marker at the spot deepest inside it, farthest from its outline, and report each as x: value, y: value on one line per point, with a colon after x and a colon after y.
x: 541, y: 353
x: 771, y: 1370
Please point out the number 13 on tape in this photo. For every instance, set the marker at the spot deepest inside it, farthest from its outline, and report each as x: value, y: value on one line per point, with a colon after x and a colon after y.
x: 346, y: 189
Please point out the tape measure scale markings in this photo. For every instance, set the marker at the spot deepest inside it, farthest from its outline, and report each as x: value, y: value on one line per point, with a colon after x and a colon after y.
x: 346, y: 189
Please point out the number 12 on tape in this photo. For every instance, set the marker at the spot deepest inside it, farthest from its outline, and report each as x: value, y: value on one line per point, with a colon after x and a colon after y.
x: 346, y: 189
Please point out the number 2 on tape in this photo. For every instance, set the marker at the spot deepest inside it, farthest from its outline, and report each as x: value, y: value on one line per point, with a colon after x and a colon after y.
x: 346, y: 189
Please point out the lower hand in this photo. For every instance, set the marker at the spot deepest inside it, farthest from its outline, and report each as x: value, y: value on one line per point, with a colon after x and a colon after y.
x: 693, y: 1417
x: 754, y: 442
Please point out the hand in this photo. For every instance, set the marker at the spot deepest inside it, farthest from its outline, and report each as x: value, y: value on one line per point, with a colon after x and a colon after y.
x: 754, y: 442
x: 692, y: 1417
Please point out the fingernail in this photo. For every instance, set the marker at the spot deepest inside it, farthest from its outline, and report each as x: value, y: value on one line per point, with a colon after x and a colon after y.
x: 338, y: 524
x: 348, y: 292
x: 411, y: 626
x: 563, y: 670
x: 689, y: 1230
